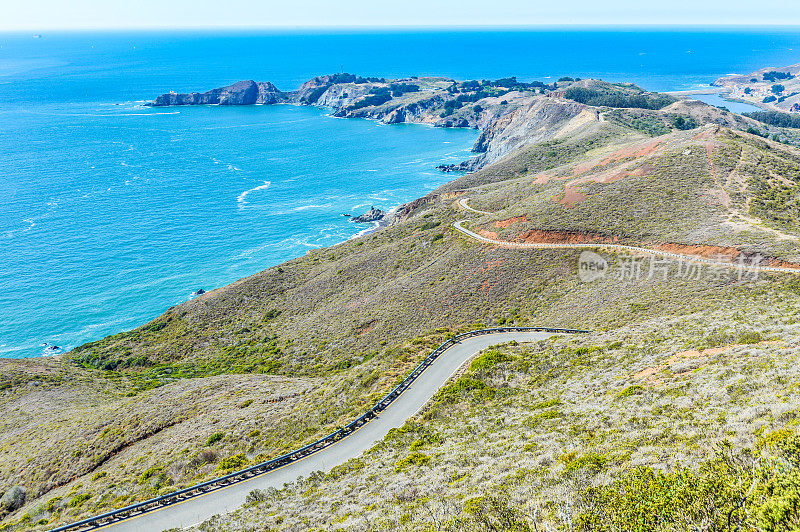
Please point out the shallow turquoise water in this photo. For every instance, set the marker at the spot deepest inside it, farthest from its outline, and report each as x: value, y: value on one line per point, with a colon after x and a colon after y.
x: 719, y: 101
x: 114, y: 213
x: 111, y: 212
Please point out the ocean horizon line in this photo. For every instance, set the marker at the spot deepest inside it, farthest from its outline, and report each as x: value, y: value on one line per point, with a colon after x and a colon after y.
x: 389, y: 28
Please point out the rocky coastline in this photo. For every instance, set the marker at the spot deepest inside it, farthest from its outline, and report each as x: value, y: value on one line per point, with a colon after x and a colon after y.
x: 507, y: 112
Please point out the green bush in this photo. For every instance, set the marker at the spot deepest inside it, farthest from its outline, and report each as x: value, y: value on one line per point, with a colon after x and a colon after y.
x: 488, y: 360
x: 594, y: 462
x: 149, y: 473
x: 237, y: 461
x: 725, y: 493
x: 271, y: 314
x: 774, y: 76
x: 634, y: 389
x: 79, y: 499
x: 776, y: 118
x: 378, y: 97
x: 214, y: 438
x: 494, y: 513
x: 684, y: 122
x: 452, y: 393
x: 416, y: 459
x: 750, y: 337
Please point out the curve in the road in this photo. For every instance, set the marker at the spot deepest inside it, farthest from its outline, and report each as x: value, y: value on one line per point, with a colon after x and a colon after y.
x: 463, y: 203
x: 425, y: 381
x: 613, y: 247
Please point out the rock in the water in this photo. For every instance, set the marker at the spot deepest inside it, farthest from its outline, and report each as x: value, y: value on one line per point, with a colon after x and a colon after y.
x: 13, y: 499
x: 199, y: 292
x: 240, y: 93
x: 372, y: 216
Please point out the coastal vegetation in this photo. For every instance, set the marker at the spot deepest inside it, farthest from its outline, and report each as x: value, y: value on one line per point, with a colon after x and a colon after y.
x: 637, y: 428
x: 776, y: 118
x: 612, y: 97
x: 774, y: 76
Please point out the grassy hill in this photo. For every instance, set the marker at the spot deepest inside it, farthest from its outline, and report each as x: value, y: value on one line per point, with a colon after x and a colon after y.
x: 272, y: 361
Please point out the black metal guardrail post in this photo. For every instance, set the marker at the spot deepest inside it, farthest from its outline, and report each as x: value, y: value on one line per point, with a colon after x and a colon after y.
x: 298, y: 454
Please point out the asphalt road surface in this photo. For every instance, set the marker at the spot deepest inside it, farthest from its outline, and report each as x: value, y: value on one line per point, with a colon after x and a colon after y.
x: 196, y: 510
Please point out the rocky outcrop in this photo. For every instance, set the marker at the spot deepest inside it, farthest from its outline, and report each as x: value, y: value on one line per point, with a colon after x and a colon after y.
x: 240, y: 93
x: 269, y: 94
x: 470, y: 165
x: 373, y: 215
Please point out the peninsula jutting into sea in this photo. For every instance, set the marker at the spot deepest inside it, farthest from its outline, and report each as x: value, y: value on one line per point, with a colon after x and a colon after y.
x: 592, y: 326
x: 509, y: 113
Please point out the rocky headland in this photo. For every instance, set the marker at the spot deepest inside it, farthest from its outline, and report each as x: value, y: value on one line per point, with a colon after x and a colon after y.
x: 509, y: 113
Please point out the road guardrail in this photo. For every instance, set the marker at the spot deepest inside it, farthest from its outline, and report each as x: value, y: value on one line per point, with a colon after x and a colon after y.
x: 175, y: 497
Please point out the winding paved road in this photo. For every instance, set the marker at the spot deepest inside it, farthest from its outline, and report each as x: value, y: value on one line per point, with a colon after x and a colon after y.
x: 198, y: 509
x: 616, y: 247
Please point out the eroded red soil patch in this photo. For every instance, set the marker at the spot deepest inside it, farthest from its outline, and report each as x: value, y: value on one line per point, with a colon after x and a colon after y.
x: 631, y: 152
x: 709, y: 252
x: 509, y: 222
x: 544, y: 178
x: 571, y: 197
x: 720, y: 253
x: 777, y: 263
x: 541, y: 236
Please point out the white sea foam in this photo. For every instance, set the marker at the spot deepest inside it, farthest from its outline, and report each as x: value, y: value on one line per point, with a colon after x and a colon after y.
x: 241, y: 199
x: 368, y: 230
x: 29, y: 221
x: 306, y: 207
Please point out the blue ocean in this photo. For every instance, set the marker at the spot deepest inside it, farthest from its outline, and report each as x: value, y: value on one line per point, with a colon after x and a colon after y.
x: 110, y: 212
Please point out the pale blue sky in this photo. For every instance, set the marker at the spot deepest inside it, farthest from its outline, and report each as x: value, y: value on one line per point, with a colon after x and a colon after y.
x: 90, y: 14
